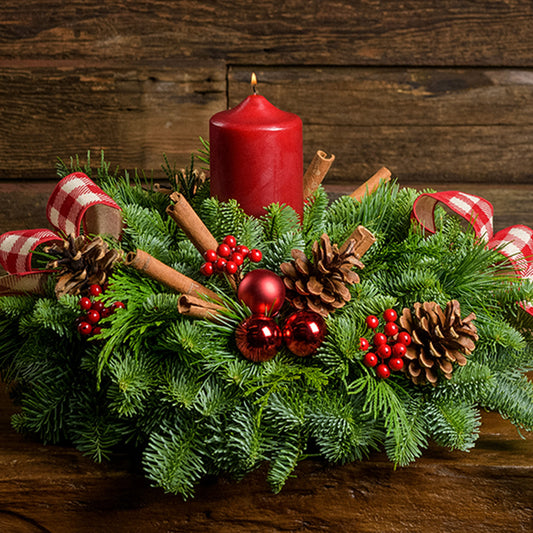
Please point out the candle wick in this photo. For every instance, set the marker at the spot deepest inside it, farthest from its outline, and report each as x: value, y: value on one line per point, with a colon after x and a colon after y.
x: 254, y: 89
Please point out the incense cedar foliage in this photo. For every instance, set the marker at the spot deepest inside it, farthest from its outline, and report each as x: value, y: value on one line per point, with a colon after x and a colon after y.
x: 179, y: 392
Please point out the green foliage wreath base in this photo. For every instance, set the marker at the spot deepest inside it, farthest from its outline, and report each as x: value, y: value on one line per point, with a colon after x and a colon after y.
x: 178, y: 390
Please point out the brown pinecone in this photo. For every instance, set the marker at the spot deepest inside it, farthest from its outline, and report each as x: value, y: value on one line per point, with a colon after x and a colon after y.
x: 439, y: 339
x: 81, y: 262
x: 321, y: 284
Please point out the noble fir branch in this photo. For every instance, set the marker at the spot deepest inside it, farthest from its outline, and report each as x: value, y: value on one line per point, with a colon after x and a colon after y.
x: 314, y: 219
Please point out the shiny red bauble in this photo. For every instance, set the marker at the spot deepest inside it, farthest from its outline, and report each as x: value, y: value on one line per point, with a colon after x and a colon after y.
x: 258, y: 338
x: 304, y: 332
x: 262, y: 291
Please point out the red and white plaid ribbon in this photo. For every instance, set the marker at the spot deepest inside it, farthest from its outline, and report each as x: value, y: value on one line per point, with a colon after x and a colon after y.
x: 514, y: 242
x: 68, y: 208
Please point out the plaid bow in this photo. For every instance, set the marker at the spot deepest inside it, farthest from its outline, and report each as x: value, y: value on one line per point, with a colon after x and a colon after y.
x: 516, y: 242
x: 76, y: 201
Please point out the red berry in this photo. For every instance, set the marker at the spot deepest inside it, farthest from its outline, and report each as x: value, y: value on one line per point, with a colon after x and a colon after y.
x: 370, y: 359
x: 220, y: 264
x: 231, y: 267
x: 106, y: 311
x: 379, y: 339
x: 207, y: 269
x: 93, y: 316
x: 399, y: 349
x: 390, y: 329
x: 396, y: 363
x: 383, y: 371
x: 98, y: 306
x: 230, y: 240
x: 223, y: 250
x: 85, y: 328
x: 97, y: 330
x: 372, y: 321
x: 390, y: 315
x: 237, y: 258
x: 384, y: 351
x: 210, y: 256
x: 118, y: 305
x: 404, y: 338
x: 363, y: 344
x: 255, y: 255
x: 243, y: 250
x: 85, y: 303
x: 95, y: 290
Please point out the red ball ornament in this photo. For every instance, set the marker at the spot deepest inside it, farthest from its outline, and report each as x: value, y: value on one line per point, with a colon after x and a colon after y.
x: 304, y: 332
x: 85, y: 303
x: 84, y: 328
x: 210, y: 256
x: 404, y: 338
x: 390, y: 315
x: 370, y: 359
x: 258, y: 338
x: 390, y: 329
x: 383, y: 371
x: 399, y: 349
x: 396, y: 363
x: 384, y: 351
x: 372, y: 321
x: 262, y: 291
x: 379, y: 339
x: 363, y: 344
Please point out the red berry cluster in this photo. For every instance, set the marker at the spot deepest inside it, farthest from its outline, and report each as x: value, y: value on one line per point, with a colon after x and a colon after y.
x: 389, y: 346
x: 228, y: 257
x: 95, y: 310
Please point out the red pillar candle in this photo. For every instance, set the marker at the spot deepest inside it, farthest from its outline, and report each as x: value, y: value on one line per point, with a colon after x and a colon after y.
x: 256, y: 155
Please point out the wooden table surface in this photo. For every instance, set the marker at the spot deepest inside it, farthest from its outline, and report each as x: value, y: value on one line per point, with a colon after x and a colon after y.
x: 55, y: 489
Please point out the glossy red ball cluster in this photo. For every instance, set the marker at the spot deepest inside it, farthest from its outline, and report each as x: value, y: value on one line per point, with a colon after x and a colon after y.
x: 389, y: 347
x: 228, y: 257
x: 94, y: 310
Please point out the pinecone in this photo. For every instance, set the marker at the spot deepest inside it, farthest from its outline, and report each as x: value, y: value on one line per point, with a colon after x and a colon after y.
x: 439, y: 339
x: 81, y: 262
x: 321, y: 285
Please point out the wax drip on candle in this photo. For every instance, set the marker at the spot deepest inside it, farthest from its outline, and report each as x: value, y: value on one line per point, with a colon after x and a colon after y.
x: 253, y: 83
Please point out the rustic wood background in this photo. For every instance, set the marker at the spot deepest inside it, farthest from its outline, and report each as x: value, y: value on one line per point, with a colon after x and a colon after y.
x: 439, y: 92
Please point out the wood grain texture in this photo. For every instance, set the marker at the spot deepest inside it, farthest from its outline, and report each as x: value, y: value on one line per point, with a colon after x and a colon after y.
x: 426, y: 125
x: 133, y: 115
x: 55, y: 489
x: 302, y: 32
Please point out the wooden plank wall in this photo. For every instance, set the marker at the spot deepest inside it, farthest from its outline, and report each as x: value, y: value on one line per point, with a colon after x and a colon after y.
x: 440, y: 92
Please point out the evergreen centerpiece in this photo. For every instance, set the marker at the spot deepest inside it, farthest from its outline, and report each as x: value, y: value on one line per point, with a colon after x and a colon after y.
x: 159, y: 377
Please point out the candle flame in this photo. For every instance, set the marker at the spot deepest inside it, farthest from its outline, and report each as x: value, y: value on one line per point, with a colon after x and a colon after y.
x: 253, y: 83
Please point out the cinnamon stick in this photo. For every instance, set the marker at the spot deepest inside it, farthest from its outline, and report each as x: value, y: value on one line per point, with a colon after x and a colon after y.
x: 363, y: 238
x: 198, y: 308
x: 383, y: 175
x: 316, y: 172
x: 191, y: 224
x: 166, y: 275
